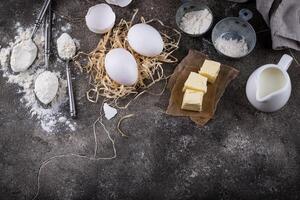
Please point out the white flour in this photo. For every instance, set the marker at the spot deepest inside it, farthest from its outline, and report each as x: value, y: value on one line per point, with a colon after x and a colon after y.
x: 4, y: 55
x: 51, y: 118
x: 233, y: 48
x: 196, y: 22
x: 66, y: 46
x: 23, y: 55
x: 46, y: 87
x: 66, y: 27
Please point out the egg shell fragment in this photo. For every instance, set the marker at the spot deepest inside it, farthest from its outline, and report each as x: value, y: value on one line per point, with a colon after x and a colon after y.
x: 145, y: 40
x: 121, y: 66
x: 109, y: 112
x: 100, y: 18
x: 121, y: 3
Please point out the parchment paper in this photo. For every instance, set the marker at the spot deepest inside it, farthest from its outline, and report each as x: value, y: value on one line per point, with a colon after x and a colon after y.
x: 192, y: 63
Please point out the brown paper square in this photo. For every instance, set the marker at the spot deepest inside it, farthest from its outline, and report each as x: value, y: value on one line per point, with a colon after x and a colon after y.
x: 192, y: 63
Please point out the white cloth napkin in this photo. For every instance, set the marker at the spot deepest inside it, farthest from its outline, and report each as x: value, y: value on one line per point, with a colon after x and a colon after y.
x: 284, y: 22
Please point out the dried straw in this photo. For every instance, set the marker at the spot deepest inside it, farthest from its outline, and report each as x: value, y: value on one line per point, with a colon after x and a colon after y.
x: 150, y: 69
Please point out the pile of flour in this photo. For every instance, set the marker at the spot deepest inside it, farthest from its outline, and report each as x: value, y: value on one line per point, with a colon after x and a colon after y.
x: 196, y: 22
x: 233, y: 48
x: 23, y: 55
x: 66, y: 46
x: 51, y: 118
x: 46, y: 87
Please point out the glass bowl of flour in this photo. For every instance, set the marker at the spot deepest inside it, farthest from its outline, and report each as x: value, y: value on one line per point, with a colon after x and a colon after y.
x: 194, y: 19
x: 234, y: 37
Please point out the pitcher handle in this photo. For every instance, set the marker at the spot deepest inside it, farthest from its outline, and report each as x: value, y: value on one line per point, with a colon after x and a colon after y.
x: 245, y: 14
x: 285, y: 62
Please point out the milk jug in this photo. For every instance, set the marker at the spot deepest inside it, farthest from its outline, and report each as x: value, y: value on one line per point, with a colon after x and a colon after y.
x: 269, y: 87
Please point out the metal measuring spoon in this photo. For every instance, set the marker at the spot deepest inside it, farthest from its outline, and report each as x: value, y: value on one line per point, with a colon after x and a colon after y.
x: 46, y: 93
x: 40, y: 17
x: 47, y: 33
x: 66, y: 50
x: 27, y: 49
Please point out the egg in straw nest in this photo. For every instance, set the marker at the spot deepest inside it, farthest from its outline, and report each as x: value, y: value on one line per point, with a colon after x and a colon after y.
x: 150, y: 70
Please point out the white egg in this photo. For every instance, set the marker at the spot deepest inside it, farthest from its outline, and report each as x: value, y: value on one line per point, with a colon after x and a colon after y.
x: 121, y: 66
x: 145, y: 40
x: 100, y: 18
x: 121, y: 3
x: 46, y: 87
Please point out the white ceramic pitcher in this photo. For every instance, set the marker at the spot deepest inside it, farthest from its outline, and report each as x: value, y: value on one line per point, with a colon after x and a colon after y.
x: 269, y: 87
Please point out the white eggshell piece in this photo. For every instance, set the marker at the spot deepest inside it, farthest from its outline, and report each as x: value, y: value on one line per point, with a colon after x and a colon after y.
x: 23, y: 55
x: 100, y: 18
x: 121, y: 66
x: 109, y: 111
x: 145, y: 40
x: 46, y: 87
x: 121, y: 3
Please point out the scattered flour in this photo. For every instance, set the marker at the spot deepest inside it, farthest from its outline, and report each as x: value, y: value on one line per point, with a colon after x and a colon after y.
x: 233, y: 48
x: 50, y: 117
x: 77, y: 43
x: 66, y: 27
x: 4, y: 55
x: 196, y: 22
x: 62, y: 119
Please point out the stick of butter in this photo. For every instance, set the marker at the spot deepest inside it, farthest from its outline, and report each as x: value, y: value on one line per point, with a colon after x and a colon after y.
x: 197, y: 82
x: 210, y: 69
x: 192, y: 100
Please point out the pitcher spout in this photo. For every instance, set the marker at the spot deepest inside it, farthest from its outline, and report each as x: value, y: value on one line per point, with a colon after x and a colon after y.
x: 269, y: 88
x: 264, y: 99
x: 271, y: 82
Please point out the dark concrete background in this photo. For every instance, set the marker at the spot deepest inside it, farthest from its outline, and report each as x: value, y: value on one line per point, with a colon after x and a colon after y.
x: 241, y: 154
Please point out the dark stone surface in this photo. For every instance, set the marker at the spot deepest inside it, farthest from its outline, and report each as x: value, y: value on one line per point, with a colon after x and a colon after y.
x: 241, y: 154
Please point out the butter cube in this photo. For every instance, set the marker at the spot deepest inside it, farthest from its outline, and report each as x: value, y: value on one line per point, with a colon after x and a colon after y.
x: 192, y: 100
x: 197, y: 82
x: 210, y: 69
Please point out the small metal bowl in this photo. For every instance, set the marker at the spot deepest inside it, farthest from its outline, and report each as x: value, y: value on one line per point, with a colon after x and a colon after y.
x: 236, y: 28
x: 189, y: 7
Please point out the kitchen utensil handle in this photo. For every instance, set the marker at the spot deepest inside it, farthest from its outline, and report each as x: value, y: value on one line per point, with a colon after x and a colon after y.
x: 40, y: 17
x: 48, y: 28
x: 245, y: 14
x: 70, y: 91
x: 185, y: 1
x: 285, y: 62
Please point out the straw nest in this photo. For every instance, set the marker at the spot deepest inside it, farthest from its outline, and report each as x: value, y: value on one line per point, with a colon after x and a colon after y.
x: 150, y: 69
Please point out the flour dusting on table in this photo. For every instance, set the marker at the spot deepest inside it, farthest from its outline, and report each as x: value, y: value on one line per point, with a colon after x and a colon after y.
x: 4, y: 56
x: 50, y: 117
